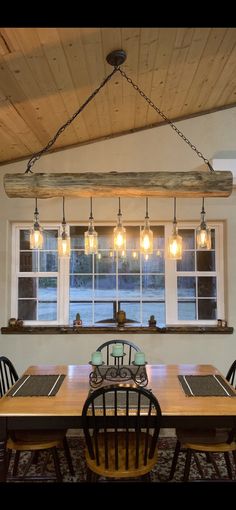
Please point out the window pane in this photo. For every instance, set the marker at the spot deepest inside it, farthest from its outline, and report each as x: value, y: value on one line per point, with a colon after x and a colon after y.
x: 188, y: 236
x: 77, y: 237
x: 24, y: 239
x: 132, y: 237
x: 158, y: 237
x: 103, y: 312
x: 105, y: 264
x: 47, y: 311
x: 205, y: 261
x: 129, y: 287
x: 81, y: 287
x: 105, y: 286
x: 47, y: 290
x: 132, y: 311
x: 156, y: 309
x: 207, y: 309
x: 48, y: 261
x: 85, y: 311
x: 129, y: 264
x: 105, y: 237
x: 187, y: 310
x: 80, y: 263
x: 27, y: 309
x: 154, y: 264
x: 27, y: 287
x: 186, y: 286
x: 50, y: 239
x: 207, y: 286
x: 153, y: 286
x: 28, y: 261
x: 187, y: 263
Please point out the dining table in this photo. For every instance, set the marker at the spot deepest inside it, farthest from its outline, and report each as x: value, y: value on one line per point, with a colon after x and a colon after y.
x: 63, y: 409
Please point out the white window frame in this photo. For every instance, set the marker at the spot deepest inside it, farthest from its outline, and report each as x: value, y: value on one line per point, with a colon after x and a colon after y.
x: 171, y: 274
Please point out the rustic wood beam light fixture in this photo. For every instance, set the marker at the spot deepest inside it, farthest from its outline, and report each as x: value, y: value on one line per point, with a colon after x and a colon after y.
x: 129, y: 184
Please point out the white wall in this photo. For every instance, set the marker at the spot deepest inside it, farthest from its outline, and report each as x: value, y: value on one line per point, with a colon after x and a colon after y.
x: 157, y: 149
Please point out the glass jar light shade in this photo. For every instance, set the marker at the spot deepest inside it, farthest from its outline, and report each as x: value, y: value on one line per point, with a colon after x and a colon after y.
x: 146, y: 240
x: 90, y: 241
x: 36, y: 237
x: 64, y: 244
x: 119, y: 238
x: 203, y: 238
x: 175, y: 248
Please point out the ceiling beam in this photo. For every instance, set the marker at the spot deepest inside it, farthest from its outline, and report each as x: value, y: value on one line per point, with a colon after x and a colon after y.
x: 119, y: 184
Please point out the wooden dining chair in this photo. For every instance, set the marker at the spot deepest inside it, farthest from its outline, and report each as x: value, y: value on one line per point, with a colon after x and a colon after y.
x: 121, y: 441
x: 209, y: 441
x: 129, y: 351
x: 34, y: 441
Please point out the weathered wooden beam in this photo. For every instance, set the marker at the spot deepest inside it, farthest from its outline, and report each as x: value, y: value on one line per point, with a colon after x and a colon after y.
x: 118, y: 184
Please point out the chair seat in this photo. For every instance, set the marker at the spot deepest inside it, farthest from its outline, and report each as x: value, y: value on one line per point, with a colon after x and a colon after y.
x: 204, y: 436
x: 121, y: 472
x: 35, y: 439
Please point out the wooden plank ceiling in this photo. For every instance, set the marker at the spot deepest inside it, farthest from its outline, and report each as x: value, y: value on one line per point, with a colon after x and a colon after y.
x: 47, y: 73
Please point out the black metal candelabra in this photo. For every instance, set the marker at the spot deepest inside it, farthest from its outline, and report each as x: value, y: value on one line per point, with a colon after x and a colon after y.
x: 118, y: 372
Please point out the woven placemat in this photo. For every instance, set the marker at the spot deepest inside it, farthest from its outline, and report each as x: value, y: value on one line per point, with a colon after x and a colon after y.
x: 206, y: 386
x: 37, y: 385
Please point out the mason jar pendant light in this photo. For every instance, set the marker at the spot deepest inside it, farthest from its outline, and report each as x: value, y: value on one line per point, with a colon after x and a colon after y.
x: 203, y: 232
x: 64, y: 238
x: 119, y: 234
x: 90, y: 236
x: 174, y: 250
x: 146, y: 236
x: 36, y: 231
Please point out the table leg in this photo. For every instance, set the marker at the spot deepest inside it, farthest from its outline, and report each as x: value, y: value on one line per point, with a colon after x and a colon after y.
x: 3, y: 437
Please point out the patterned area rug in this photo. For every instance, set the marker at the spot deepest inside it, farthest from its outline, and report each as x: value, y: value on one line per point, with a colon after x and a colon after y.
x: 159, y: 474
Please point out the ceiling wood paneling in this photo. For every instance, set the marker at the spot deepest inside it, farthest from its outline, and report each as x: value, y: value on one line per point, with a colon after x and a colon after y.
x: 47, y: 73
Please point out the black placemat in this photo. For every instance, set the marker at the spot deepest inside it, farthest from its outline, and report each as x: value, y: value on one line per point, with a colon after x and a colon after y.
x: 37, y: 385
x: 205, y: 386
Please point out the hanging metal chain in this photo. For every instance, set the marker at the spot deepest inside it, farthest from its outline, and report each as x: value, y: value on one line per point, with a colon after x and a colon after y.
x: 38, y: 155
x: 150, y: 102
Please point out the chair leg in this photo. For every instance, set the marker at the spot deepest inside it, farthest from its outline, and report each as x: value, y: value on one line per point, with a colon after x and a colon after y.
x: 228, y: 464
x: 9, y: 453
x: 28, y: 465
x: 88, y: 475
x: 215, y: 465
x: 187, y: 465
x: 198, y: 464
x: 175, y: 459
x: 16, y: 463
x: 68, y: 456
x: 57, y: 464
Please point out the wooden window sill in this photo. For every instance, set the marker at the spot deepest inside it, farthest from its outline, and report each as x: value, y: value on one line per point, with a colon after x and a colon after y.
x: 49, y: 330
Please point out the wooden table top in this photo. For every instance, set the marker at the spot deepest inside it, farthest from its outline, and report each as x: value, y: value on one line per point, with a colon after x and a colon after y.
x: 163, y: 380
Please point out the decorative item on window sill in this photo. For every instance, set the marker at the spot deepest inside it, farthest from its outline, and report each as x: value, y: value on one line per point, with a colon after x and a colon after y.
x: 175, y: 241
x: 15, y: 323
x: 77, y: 322
x: 64, y: 238
x: 203, y: 232
x: 121, y: 317
x: 90, y: 236
x: 146, y: 236
x: 120, y: 235
x: 221, y: 323
x: 36, y: 231
x: 152, y: 321
x: 118, y: 372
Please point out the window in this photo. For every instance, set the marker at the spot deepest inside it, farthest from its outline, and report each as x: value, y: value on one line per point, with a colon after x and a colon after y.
x: 46, y: 290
